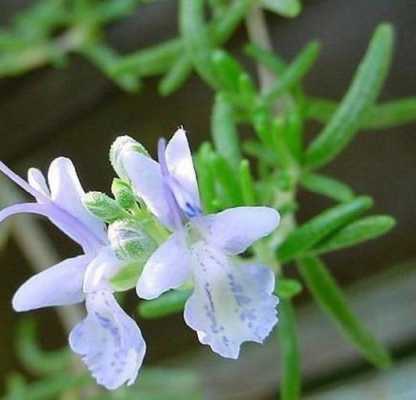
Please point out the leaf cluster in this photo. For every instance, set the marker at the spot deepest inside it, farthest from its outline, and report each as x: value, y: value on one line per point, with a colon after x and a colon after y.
x: 267, y: 167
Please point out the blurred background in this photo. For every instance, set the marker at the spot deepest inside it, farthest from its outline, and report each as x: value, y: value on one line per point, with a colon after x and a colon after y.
x: 77, y: 112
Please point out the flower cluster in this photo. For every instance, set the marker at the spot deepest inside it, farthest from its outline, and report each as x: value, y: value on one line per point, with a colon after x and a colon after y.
x: 157, y: 226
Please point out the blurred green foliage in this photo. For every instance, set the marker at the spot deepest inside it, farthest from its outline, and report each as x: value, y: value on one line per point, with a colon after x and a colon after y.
x: 267, y: 168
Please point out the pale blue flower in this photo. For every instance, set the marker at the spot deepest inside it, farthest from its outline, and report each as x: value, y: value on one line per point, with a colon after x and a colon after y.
x: 230, y: 303
x: 109, y: 341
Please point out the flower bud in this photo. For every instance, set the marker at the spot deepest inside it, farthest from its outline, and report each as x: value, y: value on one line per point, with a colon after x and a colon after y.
x: 130, y: 241
x: 120, y: 145
x: 103, y: 206
x: 123, y: 194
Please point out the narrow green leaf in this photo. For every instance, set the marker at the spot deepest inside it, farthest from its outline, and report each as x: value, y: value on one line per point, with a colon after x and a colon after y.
x: 169, y: 303
x: 53, y: 386
x: 105, y: 59
x: 175, y: 77
x: 286, y: 8
x: 290, y: 387
x: 271, y: 133
x: 356, y: 232
x: 268, y: 59
x: 224, y: 131
x: 390, y: 114
x: 330, y: 297
x: 313, y: 231
x: 206, y: 178
x: 259, y: 151
x: 361, y: 95
x: 380, y: 116
x: 196, y: 37
x: 327, y: 186
x: 225, y: 26
x: 112, y: 10
x: 247, y: 184
x: 227, y: 71
x: 287, y: 288
x: 226, y: 181
x: 294, y: 134
x: 220, y: 32
x: 150, y: 61
x: 294, y: 72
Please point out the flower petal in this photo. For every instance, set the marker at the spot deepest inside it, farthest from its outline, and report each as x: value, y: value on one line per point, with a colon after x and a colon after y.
x: 231, y: 304
x: 37, y: 180
x: 56, y: 286
x: 67, y: 193
x: 109, y: 341
x: 146, y: 178
x: 64, y: 221
x: 181, y: 168
x: 167, y: 268
x: 235, y: 229
x: 102, y: 268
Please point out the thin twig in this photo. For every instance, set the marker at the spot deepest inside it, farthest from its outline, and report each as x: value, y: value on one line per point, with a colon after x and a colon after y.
x: 259, y: 35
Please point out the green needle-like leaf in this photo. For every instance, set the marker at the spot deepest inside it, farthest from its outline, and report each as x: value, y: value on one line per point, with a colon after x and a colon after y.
x: 286, y: 8
x: 290, y: 386
x: 268, y: 59
x: 150, y: 61
x: 361, y: 95
x: 313, y: 231
x: 226, y: 181
x: 220, y: 32
x: 247, y: 184
x: 294, y: 72
x: 294, y: 134
x: 224, y: 131
x: 327, y: 186
x: 330, y: 297
x: 196, y: 37
x: 169, y: 303
x: 175, y: 77
x: 287, y: 288
x: 356, y: 232
x: 380, y: 116
x: 206, y: 178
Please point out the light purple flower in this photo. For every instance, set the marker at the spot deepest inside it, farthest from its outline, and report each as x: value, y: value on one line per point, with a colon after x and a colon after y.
x: 230, y: 303
x: 109, y: 341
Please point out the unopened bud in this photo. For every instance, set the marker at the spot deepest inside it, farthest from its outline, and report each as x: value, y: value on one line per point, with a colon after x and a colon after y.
x: 130, y: 241
x: 120, y: 146
x: 123, y: 194
x: 103, y: 206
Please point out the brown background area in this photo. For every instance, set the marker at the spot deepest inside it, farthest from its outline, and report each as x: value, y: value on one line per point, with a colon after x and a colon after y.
x: 76, y: 112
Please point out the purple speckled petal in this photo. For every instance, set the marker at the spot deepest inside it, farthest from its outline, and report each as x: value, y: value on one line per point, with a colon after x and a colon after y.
x: 100, y: 270
x: 56, y: 286
x: 167, y: 268
x: 231, y: 304
x: 235, y: 229
x: 109, y: 341
x: 181, y: 168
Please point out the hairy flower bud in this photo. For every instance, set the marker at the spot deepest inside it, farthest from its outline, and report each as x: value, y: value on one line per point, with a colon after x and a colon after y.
x: 123, y: 194
x: 130, y: 241
x: 103, y: 206
x: 120, y: 145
